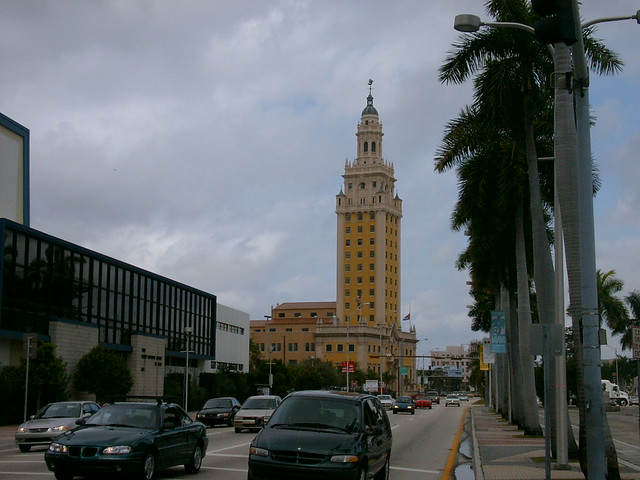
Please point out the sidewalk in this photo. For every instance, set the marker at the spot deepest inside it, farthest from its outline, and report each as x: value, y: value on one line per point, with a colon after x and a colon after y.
x: 502, y: 452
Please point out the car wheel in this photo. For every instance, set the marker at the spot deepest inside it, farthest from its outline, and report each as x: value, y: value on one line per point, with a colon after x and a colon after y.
x: 413, y: 412
x: 362, y: 473
x: 430, y: 407
x: 623, y: 403
x: 62, y: 475
x: 24, y: 448
x: 148, y: 467
x: 195, y: 462
x: 383, y: 474
x: 238, y: 430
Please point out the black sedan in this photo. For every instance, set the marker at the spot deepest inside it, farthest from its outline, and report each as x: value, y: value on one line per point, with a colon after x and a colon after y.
x: 135, y: 438
x: 218, y: 411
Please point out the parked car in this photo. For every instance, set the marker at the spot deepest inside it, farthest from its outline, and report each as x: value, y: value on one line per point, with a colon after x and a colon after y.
x: 404, y: 404
x: 323, y: 434
x: 633, y: 399
x: 452, y: 399
x: 386, y: 401
x: 422, y: 401
x: 463, y: 396
x: 434, y: 396
x: 255, y: 412
x: 52, y: 420
x: 130, y: 438
x: 216, y: 411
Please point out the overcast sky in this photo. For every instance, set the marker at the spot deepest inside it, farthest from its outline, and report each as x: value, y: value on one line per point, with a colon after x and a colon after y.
x: 205, y: 140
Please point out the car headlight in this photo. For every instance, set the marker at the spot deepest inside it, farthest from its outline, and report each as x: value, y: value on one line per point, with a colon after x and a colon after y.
x: 344, y: 459
x: 223, y: 415
x: 60, y: 428
x: 261, y: 452
x: 21, y: 429
x: 57, y: 448
x: 117, y: 450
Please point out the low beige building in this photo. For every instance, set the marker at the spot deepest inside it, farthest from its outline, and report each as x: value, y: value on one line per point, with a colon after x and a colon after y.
x: 296, y: 331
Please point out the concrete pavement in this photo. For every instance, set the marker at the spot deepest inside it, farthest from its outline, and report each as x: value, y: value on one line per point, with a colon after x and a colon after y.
x: 502, y: 452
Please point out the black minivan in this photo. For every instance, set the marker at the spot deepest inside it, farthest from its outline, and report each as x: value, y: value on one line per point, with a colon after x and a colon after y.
x: 322, y: 434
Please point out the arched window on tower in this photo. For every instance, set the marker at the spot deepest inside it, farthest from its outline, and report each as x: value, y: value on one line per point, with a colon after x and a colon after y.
x: 373, y: 147
x: 366, y: 146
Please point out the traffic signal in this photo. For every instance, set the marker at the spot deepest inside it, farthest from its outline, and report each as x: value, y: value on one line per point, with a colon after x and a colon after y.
x: 558, y: 24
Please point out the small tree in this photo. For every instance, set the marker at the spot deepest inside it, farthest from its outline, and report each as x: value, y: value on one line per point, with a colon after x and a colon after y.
x: 103, y: 372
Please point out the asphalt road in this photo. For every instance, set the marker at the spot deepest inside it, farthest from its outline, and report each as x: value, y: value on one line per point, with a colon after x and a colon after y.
x: 421, y: 449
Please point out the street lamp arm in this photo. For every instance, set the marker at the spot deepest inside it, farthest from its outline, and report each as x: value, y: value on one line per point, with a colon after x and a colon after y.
x: 635, y: 17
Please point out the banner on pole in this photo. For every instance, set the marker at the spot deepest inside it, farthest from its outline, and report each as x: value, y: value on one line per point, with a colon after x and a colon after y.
x: 498, y: 332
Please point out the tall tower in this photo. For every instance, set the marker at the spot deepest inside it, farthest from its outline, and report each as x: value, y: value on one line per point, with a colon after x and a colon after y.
x: 369, y: 214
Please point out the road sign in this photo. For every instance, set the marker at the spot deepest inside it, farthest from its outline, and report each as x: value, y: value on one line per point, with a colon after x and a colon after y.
x: 352, y: 367
x: 635, y: 344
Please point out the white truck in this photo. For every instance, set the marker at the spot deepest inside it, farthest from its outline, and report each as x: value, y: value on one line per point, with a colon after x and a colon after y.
x: 616, y: 396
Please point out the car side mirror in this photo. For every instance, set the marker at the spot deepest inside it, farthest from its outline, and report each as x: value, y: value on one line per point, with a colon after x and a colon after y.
x: 376, y: 430
x: 81, y: 421
x: 169, y: 425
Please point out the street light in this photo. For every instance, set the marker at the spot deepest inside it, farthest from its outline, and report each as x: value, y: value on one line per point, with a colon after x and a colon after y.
x: 267, y: 318
x: 187, y: 331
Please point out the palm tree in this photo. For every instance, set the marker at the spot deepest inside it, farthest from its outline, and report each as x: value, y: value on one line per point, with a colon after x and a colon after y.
x: 512, y: 95
x: 611, y: 309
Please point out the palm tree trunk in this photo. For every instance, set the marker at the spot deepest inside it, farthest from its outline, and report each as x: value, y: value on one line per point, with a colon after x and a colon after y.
x: 530, y: 422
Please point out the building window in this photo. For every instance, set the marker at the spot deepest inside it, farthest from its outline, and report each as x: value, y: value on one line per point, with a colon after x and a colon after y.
x: 372, y: 279
x: 359, y: 279
x: 372, y: 254
x: 366, y: 146
x: 348, y: 230
x: 347, y: 255
x: 372, y: 266
x: 372, y: 215
x: 272, y: 329
x: 359, y: 267
x: 372, y: 241
x: 359, y: 254
x: 359, y: 242
x: 347, y: 216
x: 372, y: 228
x: 328, y: 347
x: 340, y: 347
x: 297, y: 314
x: 347, y: 267
x: 359, y: 217
x: 347, y: 280
x: 348, y: 243
x: 281, y: 315
x: 373, y: 147
x: 352, y: 347
x: 288, y: 329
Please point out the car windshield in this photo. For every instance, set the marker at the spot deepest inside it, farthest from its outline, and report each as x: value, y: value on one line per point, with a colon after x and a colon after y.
x: 385, y: 397
x: 138, y: 416
x: 404, y: 400
x: 218, y: 403
x: 324, y: 413
x: 60, y: 410
x: 259, y: 403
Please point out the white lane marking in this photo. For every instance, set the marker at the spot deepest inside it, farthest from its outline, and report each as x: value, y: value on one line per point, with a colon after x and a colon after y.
x: 419, y: 470
x: 24, y: 474
x: 228, y: 448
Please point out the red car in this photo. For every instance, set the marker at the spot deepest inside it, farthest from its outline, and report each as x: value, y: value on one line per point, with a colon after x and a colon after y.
x: 422, y: 402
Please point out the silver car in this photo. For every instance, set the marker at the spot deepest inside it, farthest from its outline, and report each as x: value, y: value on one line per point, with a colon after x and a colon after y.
x: 50, y: 421
x: 452, y: 399
x: 387, y: 401
x: 255, y: 412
